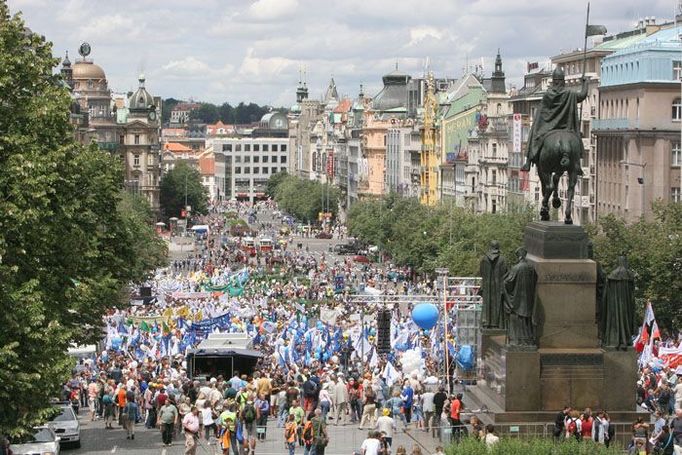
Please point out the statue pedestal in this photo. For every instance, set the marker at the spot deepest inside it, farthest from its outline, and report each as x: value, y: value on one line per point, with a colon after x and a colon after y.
x: 568, y: 367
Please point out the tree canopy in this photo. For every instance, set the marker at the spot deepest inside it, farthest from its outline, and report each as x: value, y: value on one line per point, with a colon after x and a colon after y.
x: 303, y: 199
x: 654, y: 252
x: 68, y: 242
x: 183, y: 180
x: 426, y: 238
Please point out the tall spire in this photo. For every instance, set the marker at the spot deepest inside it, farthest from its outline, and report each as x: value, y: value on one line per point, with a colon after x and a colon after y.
x: 498, y: 84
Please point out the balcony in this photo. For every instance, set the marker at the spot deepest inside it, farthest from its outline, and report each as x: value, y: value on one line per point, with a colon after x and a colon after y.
x: 499, y: 160
x: 614, y: 124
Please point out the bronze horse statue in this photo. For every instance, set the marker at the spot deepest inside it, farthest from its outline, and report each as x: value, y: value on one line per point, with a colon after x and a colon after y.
x: 560, y: 152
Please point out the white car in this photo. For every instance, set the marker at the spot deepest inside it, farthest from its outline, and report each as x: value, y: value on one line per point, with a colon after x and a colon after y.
x: 66, y: 426
x: 43, y: 441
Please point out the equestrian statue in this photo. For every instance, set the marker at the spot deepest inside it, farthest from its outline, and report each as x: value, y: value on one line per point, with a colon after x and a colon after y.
x: 555, y: 145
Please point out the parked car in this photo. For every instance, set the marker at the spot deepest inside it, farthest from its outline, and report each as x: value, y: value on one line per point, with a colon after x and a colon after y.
x: 66, y: 426
x: 42, y: 441
x: 361, y: 258
x: 323, y: 235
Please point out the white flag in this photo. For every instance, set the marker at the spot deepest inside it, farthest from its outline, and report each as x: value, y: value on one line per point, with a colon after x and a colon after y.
x: 390, y: 374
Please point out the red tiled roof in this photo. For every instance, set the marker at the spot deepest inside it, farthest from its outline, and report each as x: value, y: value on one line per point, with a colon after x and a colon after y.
x: 176, y: 148
x: 343, y: 106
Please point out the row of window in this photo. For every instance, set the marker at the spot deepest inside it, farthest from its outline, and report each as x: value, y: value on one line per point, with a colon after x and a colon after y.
x: 257, y: 159
x: 263, y: 170
x: 255, y: 147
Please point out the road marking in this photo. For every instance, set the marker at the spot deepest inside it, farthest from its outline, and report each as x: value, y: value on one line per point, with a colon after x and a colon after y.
x: 114, y: 449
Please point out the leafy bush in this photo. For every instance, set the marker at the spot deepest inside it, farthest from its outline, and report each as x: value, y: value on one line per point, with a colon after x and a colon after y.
x: 514, y: 446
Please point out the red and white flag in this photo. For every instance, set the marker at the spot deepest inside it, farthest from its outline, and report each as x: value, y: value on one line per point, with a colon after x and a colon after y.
x: 647, y: 333
x: 671, y: 357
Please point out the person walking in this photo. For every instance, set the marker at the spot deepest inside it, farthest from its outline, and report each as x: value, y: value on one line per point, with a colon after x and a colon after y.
x: 190, y: 425
x: 108, y: 403
x: 368, y: 410
x: 130, y: 412
x: 262, y: 413
x: 340, y: 398
x: 320, y: 435
x: 290, y: 434
x: 167, y: 419
x: 386, y: 425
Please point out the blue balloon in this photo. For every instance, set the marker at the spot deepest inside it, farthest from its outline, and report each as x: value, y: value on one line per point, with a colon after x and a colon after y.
x: 425, y: 315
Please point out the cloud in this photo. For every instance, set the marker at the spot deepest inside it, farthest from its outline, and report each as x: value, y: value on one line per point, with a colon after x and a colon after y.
x: 237, y: 50
x: 269, y: 10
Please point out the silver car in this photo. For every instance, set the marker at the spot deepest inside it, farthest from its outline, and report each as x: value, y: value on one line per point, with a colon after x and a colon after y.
x: 66, y: 426
x: 43, y: 441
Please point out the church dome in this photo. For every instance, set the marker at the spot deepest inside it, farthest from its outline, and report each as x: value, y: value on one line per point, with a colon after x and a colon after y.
x: 141, y: 99
x: 87, y: 70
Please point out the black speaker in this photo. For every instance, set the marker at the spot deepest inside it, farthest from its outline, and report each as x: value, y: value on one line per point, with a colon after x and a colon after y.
x: 145, y: 291
x: 384, y: 331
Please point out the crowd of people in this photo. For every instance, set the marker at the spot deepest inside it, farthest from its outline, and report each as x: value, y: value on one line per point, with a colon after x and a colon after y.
x: 319, y: 364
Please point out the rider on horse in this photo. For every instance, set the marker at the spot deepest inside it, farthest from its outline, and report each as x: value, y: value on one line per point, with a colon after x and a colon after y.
x: 558, y: 112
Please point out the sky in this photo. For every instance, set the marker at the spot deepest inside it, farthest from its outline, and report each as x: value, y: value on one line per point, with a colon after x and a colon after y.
x: 253, y: 50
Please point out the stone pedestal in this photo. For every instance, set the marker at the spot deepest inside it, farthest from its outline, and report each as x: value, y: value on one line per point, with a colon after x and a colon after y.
x: 568, y: 367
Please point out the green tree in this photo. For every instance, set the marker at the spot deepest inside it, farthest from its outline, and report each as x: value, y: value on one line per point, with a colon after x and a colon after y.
x: 167, y: 106
x: 67, y: 246
x: 274, y: 181
x: 654, y: 251
x: 304, y: 199
x: 182, y: 184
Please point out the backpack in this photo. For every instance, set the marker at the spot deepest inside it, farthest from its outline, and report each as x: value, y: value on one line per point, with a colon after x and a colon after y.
x: 289, y: 432
x: 573, y: 429
x: 249, y: 413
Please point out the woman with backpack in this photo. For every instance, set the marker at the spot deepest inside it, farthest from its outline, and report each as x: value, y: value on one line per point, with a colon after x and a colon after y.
x: 306, y: 435
x: 108, y: 402
x: 573, y: 425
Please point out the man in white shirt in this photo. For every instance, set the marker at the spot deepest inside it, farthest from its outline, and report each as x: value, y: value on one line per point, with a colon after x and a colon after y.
x: 490, y: 438
x: 386, y: 424
x: 191, y: 426
x: 371, y: 445
x: 428, y: 408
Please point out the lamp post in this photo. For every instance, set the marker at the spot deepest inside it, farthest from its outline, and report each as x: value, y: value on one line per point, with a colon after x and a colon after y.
x: 443, y: 281
x: 640, y: 180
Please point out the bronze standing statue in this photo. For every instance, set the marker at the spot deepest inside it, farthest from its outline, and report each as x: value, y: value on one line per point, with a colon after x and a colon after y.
x: 493, y: 268
x: 555, y: 145
x: 618, y: 314
x: 520, y: 301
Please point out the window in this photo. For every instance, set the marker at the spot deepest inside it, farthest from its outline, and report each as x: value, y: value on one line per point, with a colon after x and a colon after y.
x: 238, y: 170
x: 265, y: 159
x: 677, y: 70
x: 675, y: 195
x: 676, y: 154
x: 247, y: 170
x: 494, y: 175
x: 283, y: 169
x: 137, y: 139
x: 274, y: 159
x: 237, y: 147
x: 266, y: 147
x: 150, y: 160
x: 256, y: 159
x: 256, y: 147
x: 265, y: 170
x: 677, y: 109
x: 494, y: 208
x: 273, y: 170
x: 494, y: 150
x: 247, y: 147
x: 121, y: 139
x: 238, y: 159
x: 227, y: 147
x: 283, y: 148
x: 247, y: 159
x: 283, y: 159
x: 274, y: 148
x: 136, y: 160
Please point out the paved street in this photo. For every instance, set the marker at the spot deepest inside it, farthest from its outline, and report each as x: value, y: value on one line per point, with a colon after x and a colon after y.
x: 343, y: 440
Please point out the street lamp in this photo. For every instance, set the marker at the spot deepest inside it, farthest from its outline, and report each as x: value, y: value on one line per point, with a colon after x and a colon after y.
x: 640, y: 180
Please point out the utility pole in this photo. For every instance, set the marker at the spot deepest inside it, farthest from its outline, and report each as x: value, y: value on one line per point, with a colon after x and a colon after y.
x: 443, y: 278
